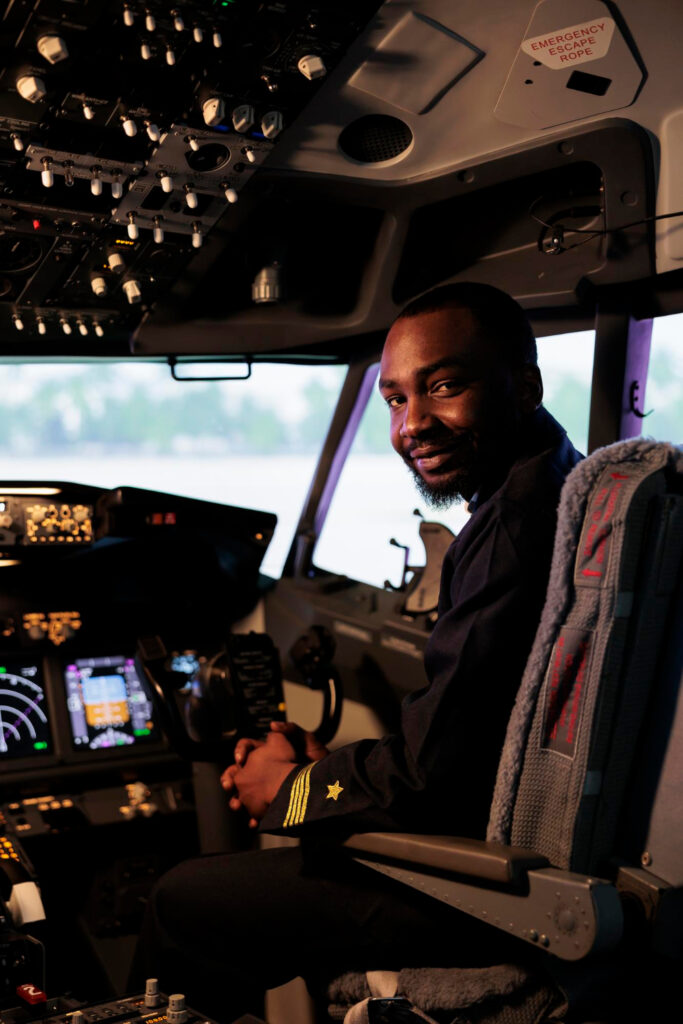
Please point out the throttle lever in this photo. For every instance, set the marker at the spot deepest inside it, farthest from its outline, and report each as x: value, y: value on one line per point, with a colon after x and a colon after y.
x: 312, y: 655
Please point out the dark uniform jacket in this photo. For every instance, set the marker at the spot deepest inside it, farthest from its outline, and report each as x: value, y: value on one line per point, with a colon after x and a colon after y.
x: 437, y: 774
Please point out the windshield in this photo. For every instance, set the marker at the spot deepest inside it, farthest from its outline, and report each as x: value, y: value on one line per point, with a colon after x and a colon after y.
x: 252, y: 443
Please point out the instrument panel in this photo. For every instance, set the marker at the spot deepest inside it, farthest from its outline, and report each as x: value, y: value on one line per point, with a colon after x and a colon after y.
x: 26, y: 521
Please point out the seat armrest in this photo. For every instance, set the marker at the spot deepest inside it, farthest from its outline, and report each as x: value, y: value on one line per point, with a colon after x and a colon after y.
x: 490, y: 862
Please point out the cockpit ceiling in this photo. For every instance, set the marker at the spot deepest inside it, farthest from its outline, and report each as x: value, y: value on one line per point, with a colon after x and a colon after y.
x: 528, y: 145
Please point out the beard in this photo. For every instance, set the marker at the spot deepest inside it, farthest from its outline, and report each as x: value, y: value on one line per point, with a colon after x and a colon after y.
x: 456, y: 485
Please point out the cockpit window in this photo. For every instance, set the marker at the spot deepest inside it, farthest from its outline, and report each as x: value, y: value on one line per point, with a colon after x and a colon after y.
x: 662, y: 400
x: 251, y: 443
x: 375, y: 496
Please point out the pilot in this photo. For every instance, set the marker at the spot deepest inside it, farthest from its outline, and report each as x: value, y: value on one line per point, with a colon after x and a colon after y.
x: 460, y: 379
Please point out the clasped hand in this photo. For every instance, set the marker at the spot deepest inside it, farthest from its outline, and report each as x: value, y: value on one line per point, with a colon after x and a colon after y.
x: 261, y: 766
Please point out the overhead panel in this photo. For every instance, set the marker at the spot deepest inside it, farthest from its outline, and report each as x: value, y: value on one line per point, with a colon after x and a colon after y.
x: 417, y: 62
x: 573, y: 62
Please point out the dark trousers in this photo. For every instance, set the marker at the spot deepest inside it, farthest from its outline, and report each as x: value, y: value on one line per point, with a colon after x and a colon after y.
x: 224, y: 928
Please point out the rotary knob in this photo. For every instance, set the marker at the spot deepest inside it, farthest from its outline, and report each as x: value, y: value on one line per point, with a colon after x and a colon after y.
x: 31, y: 88
x: 132, y: 291
x: 213, y: 111
x: 243, y: 117
x: 272, y: 124
x: 312, y: 66
x: 52, y: 48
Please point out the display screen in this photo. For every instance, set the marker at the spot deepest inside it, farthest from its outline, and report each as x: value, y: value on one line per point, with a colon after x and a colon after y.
x: 108, y: 704
x: 24, y: 726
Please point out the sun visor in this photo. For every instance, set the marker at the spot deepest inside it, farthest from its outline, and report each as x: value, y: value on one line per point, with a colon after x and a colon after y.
x: 575, y: 61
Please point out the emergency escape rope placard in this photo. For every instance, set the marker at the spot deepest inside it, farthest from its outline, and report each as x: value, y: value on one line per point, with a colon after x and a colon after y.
x: 576, y: 44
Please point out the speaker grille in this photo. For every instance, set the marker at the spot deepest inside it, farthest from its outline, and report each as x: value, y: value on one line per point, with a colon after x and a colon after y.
x: 375, y: 138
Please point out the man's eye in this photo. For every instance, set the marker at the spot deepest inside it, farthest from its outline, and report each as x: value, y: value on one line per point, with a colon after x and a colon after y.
x: 447, y: 387
x: 393, y: 401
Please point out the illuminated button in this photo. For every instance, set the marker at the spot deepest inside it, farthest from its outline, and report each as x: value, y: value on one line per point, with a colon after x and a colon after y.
x: 52, y: 48
x: 12, y: 807
x: 55, y: 805
x: 126, y: 811
x: 67, y: 802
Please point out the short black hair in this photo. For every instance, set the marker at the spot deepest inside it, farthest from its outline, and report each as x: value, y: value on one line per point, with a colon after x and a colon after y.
x: 500, y: 318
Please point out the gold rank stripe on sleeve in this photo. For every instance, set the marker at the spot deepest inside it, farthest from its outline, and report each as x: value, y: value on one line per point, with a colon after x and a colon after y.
x: 298, y: 797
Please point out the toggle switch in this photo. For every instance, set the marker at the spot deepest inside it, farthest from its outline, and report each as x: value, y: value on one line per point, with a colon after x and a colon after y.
x: 153, y: 131
x: 213, y: 111
x: 69, y: 179
x: 249, y: 153
x: 197, y: 236
x: 82, y: 327
x: 88, y: 111
x: 17, y: 142
x: 150, y: 21
x: 157, y: 230
x: 132, y: 291
x: 96, y: 181
x: 198, y: 34
x: 243, y: 117
x: 98, y: 285
x: 46, y: 175
x: 272, y: 124
x: 31, y: 88
x: 129, y: 127
x: 42, y: 327
x: 230, y: 193
x: 52, y: 48
x: 18, y: 322
x: 178, y: 23
x: 66, y: 326
x: 145, y: 51
x: 133, y: 231
x: 128, y: 16
x: 190, y: 196
x: 217, y: 39
x: 191, y: 140
x: 97, y: 327
x: 116, y: 185
x: 170, y: 56
x: 165, y: 180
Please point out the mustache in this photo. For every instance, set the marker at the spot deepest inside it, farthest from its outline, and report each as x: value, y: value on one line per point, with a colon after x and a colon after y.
x: 461, y: 440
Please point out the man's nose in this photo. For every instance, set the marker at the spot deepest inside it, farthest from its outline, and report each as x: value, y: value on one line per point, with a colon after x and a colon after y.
x: 417, y: 417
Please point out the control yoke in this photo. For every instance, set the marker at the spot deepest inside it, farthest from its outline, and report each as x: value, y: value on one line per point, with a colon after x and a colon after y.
x: 236, y: 692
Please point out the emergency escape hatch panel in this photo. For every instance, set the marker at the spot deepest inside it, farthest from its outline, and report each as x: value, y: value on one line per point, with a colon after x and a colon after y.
x: 574, y: 62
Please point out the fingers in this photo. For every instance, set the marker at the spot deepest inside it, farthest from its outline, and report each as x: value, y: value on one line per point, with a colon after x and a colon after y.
x: 243, y: 748
x: 228, y: 777
x: 287, y: 728
x: 253, y: 823
x: 315, y: 750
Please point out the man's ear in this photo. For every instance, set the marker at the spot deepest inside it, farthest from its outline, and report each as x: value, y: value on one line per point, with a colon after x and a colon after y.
x: 529, y: 388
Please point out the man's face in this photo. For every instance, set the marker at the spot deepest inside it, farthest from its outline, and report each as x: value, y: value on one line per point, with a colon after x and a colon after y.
x: 452, y: 401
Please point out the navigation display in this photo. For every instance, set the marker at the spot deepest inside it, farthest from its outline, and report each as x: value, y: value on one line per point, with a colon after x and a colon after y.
x: 108, y: 704
x: 24, y: 726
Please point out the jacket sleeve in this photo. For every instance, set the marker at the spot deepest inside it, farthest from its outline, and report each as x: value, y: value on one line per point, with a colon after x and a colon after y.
x: 437, y: 774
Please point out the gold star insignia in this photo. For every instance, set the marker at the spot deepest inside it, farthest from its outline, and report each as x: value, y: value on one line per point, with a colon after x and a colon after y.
x: 334, y: 791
